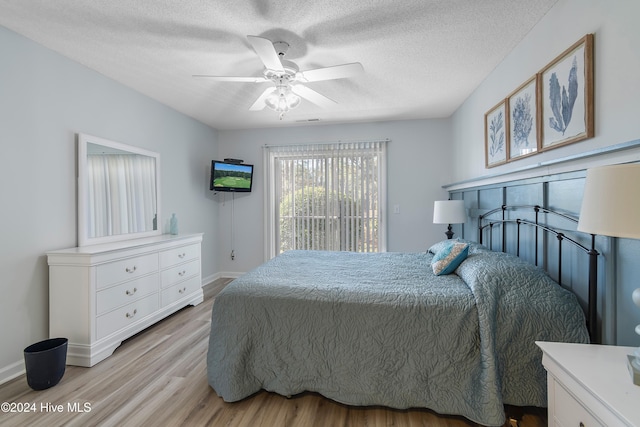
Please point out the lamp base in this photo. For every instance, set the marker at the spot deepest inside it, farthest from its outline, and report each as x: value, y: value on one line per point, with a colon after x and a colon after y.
x: 634, y: 371
x: 449, y: 232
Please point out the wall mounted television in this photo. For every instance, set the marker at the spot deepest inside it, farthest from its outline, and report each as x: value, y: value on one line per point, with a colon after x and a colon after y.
x: 226, y: 176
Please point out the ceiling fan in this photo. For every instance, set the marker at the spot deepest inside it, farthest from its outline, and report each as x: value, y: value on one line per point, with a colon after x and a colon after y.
x: 287, y: 78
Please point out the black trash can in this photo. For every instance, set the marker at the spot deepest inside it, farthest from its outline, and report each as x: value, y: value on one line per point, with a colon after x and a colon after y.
x: 45, y: 362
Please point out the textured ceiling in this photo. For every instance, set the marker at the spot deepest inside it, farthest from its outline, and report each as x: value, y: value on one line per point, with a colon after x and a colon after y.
x: 421, y: 58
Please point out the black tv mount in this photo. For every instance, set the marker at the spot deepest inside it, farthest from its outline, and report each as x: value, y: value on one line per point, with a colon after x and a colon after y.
x: 236, y: 161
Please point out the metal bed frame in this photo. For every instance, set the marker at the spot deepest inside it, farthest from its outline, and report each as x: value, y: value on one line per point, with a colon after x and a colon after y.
x: 485, y: 222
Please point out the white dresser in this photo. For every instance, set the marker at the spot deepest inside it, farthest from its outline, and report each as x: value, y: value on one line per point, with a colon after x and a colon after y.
x: 100, y: 295
x: 590, y: 385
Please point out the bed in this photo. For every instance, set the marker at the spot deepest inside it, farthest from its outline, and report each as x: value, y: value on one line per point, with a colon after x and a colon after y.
x: 384, y: 329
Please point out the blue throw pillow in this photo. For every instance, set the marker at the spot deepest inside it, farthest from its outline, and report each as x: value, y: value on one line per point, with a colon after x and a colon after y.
x: 449, y: 258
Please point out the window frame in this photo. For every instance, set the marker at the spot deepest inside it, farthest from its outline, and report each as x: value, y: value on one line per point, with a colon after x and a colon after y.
x: 272, y: 153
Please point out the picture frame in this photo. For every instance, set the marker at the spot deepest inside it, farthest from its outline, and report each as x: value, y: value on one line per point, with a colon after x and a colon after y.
x: 522, y: 105
x: 566, y: 96
x: 496, y: 122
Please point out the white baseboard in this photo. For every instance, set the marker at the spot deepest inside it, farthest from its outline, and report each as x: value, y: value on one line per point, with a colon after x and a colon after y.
x: 224, y: 274
x: 12, y: 371
x: 230, y: 274
x: 210, y: 279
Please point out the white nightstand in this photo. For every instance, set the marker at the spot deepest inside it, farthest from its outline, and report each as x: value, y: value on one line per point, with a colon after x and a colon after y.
x: 590, y: 385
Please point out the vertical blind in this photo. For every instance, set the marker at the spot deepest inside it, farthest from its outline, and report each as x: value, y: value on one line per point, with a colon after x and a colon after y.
x: 326, y: 197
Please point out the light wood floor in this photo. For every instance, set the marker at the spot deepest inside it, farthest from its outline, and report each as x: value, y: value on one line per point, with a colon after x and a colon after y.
x: 158, y: 378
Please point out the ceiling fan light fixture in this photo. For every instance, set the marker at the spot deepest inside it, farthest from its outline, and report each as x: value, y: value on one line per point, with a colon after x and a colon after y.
x: 282, y: 100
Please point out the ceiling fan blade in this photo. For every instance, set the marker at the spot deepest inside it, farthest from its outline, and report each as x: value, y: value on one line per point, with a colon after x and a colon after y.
x: 313, y: 96
x: 267, y: 53
x: 259, y: 104
x: 232, y: 78
x: 331, y: 73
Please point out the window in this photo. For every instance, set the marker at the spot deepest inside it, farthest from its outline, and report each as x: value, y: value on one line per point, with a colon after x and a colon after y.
x: 326, y: 197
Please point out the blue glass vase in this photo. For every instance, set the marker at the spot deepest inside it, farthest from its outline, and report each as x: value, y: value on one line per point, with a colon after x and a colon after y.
x: 173, y: 224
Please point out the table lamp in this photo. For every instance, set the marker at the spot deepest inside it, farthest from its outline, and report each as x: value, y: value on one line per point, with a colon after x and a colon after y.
x: 611, y: 207
x: 449, y: 212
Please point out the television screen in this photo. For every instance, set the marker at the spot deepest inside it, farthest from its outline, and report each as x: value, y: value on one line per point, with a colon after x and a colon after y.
x: 231, y: 176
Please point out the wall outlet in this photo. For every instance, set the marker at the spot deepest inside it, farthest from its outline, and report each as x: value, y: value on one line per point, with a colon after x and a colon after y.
x: 396, y: 209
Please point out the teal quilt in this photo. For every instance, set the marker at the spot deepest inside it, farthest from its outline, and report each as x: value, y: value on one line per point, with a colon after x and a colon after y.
x: 382, y: 329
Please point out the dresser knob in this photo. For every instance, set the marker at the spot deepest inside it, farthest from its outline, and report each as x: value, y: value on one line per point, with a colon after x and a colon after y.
x: 182, y: 273
x: 131, y: 292
x: 183, y: 290
x: 182, y: 255
x: 129, y: 315
x: 130, y: 270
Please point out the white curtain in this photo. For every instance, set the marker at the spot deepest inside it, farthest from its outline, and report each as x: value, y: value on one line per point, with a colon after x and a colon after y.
x: 122, y: 194
x: 326, y: 197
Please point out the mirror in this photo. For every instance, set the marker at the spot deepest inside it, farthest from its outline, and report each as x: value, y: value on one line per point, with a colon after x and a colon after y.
x: 118, y: 191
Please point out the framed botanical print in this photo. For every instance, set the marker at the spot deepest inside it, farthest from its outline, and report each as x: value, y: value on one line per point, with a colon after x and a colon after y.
x: 495, y: 135
x: 523, y: 120
x: 566, y: 94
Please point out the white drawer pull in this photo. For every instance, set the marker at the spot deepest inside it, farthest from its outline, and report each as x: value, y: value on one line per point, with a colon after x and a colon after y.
x: 182, y: 255
x: 183, y: 290
x: 130, y: 270
x: 182, y: 273
x: 129, y: 315
x: 128, y: 292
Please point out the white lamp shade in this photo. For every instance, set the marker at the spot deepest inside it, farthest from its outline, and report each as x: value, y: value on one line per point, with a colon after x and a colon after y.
x: 449, y: 212
x: 611, y: 201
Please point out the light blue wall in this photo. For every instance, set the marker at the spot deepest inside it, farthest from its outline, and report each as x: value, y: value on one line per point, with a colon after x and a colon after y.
x: 617, y: 107
x: 418, y: 158
x: 45, y: 99
x: 616, y: 99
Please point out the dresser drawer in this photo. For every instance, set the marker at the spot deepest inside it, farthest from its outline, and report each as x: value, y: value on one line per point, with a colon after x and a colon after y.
x: 569, y: 412
x: 125, y: 316
x: 126, y: 269
x: 125, y: 293
x: 179, y: 291
x: 179, y: 255
x: 179, y: 273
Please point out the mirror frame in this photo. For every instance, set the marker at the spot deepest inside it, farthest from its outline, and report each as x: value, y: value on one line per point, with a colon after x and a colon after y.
x: 83, y: 212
